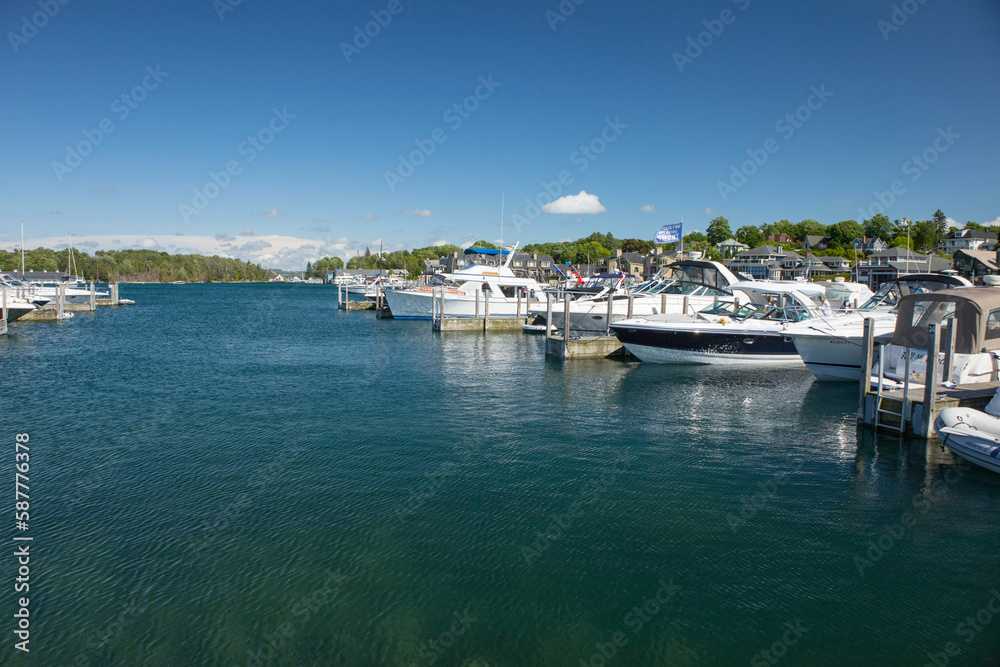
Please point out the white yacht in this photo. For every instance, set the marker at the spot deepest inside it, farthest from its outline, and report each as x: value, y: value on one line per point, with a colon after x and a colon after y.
x: 726, y: 332
x: 831, y: 347
x: 464, y: 289
x: 695, y: 282
x: 73, y: 292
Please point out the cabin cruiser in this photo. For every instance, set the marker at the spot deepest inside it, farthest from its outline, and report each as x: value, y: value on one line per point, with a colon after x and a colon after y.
x: 975, y: 312
x: 465, y: 293
x: 17, y: 307
x: 971, y: 434
x: 726, y: 332
x: 831, y: 347
x: 369, y: 288
x: 21, y: 289
x: 697, y: 283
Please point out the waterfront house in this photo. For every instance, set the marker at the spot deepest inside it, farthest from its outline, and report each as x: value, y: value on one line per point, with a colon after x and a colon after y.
x: 631, y: 263
x: 780, y: 238
x: 891, y: 263
x: 967, y: 239
x: 731, y: 247
x: 656, y: 261
x: 974, y: 264
x: 767, y: 262
x: 837, y: 264
x: 813, y: 242
x: 869, y: 245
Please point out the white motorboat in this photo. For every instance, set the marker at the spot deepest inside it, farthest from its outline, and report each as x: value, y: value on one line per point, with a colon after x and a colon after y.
x: 466, y: 292
x: 726, y: 332
x: 695, y: 283
x: 369, y: 289
x: 72, y: 292
x: 831, y: 347
x: 972, y: 435
x: 21, y: 289
x: 976, y: 316
x: 17, y: 307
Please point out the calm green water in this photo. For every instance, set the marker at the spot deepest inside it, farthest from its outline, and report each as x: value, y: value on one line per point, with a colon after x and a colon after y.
x: 242, y: 474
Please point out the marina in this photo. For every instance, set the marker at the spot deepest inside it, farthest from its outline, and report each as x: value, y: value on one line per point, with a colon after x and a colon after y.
x: 713, y: 479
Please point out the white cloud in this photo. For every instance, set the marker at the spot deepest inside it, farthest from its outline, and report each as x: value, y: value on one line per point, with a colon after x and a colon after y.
x: 952, y: 222
x: 146, y: 243
x: 273, y: 213
x: 995, y: 222
x: 247, y: 231
x: 107, y: 190
x: 369, y: 216
x: 439, y: 243
x: 581, y: 204
x: 649, y: 208
x: 417, y: 213
x: 845, y: 200
x: 710, y: 211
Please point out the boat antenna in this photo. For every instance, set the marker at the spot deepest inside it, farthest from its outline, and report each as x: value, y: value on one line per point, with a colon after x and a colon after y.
x: 22, y: 250
x: 502, y: 196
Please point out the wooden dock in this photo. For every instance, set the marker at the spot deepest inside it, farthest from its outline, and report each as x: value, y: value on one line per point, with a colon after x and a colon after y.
x: 479, y: 324
x: 911, y: 410
x: 585, y: 347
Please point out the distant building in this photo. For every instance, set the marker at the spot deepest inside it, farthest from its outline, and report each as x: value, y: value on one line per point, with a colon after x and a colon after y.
x: 974, y: 264
x: 967, y: 239
x: 731, y: 247
x: 631, y: 263
x: 780, y: 238
x: 813, y: 242
x: 894, y: 262
x: 837, y: 264
x: 768, y: 262
x: 657, y: 261
x: 869, y: 246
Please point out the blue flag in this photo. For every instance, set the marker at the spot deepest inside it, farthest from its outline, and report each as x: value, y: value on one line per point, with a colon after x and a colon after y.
x: 669, y: 233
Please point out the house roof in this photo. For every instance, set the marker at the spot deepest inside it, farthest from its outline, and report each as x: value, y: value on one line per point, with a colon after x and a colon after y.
x: 972, y: 234
x: 865, y: 240
x: 986, y: 257
x: 731, y: 242
x: 812, y: 239
x: 899, y: 252
x: 766, y: 250
x: 834, y: 259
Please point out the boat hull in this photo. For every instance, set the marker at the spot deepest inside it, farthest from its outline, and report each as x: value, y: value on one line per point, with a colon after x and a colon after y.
x: 831, y: 359
x: 971, y: 435
x: 412, y: 305
x: 707, y: 347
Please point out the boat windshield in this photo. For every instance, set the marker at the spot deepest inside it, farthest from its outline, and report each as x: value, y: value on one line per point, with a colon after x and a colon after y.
x: 719, y: 308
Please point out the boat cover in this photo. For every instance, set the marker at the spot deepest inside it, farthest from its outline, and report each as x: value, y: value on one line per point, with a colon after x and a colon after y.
x: 976, y: 311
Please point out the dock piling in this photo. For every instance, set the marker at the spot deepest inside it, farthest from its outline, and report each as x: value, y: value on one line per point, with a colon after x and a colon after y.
x: 631, y: 304
x: 548, y: 315
x: 611, y: 311
x: 867, y: 350
x: 931, y: 379
x: 566, y: 326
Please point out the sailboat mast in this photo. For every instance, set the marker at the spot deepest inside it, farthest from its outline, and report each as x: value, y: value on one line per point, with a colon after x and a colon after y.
x: 502, y: 196
x: 22, y: 250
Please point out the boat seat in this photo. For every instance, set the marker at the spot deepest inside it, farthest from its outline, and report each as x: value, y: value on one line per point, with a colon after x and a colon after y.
x: 993, y: 407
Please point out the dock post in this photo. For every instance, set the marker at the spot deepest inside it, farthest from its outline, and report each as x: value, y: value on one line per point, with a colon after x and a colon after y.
x: 906, y: 395
x: 566, y: 327
x: 477, y: 303
x: 866, y: 366
x: 631, y: 304
x: 611, y: 311
x: 486, y: 311
x: 686, y: 302
x: 93, y: 297
x: 518, y: 303
x: 60, y: 292
x: 434, y: 309
x: 663, y: 303
x: 4, y: 304
x: 949, y: 345
x: 548, y: 316
x: 931, y: 379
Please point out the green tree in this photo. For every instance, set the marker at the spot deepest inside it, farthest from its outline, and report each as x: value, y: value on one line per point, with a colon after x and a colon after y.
x: 752, y: 236
x: 924, y: 235
x: 589, y: 250
x: 637, y: 245
x: 940, y: 224
x: 809, y: 227
x: 718, y: 231
x: 879, y: 226
x: 486, y: 245
x: 845, y: 231
x: 694, y: 237
x: 975, y: 226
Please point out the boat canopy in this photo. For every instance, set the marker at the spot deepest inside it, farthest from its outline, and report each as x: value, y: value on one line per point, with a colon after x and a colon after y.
x: 710, y: 274
x: 485, y: 251
x: 976, y: 311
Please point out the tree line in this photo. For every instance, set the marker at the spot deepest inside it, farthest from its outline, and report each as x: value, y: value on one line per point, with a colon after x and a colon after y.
x: 136, y: 266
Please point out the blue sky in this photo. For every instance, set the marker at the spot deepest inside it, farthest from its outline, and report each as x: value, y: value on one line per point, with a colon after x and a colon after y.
x: 670, y: 134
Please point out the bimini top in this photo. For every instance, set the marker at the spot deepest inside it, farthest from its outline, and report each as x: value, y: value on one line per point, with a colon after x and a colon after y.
x: 701, y: 272
x: 485, y: 251
x: 976, y: 311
